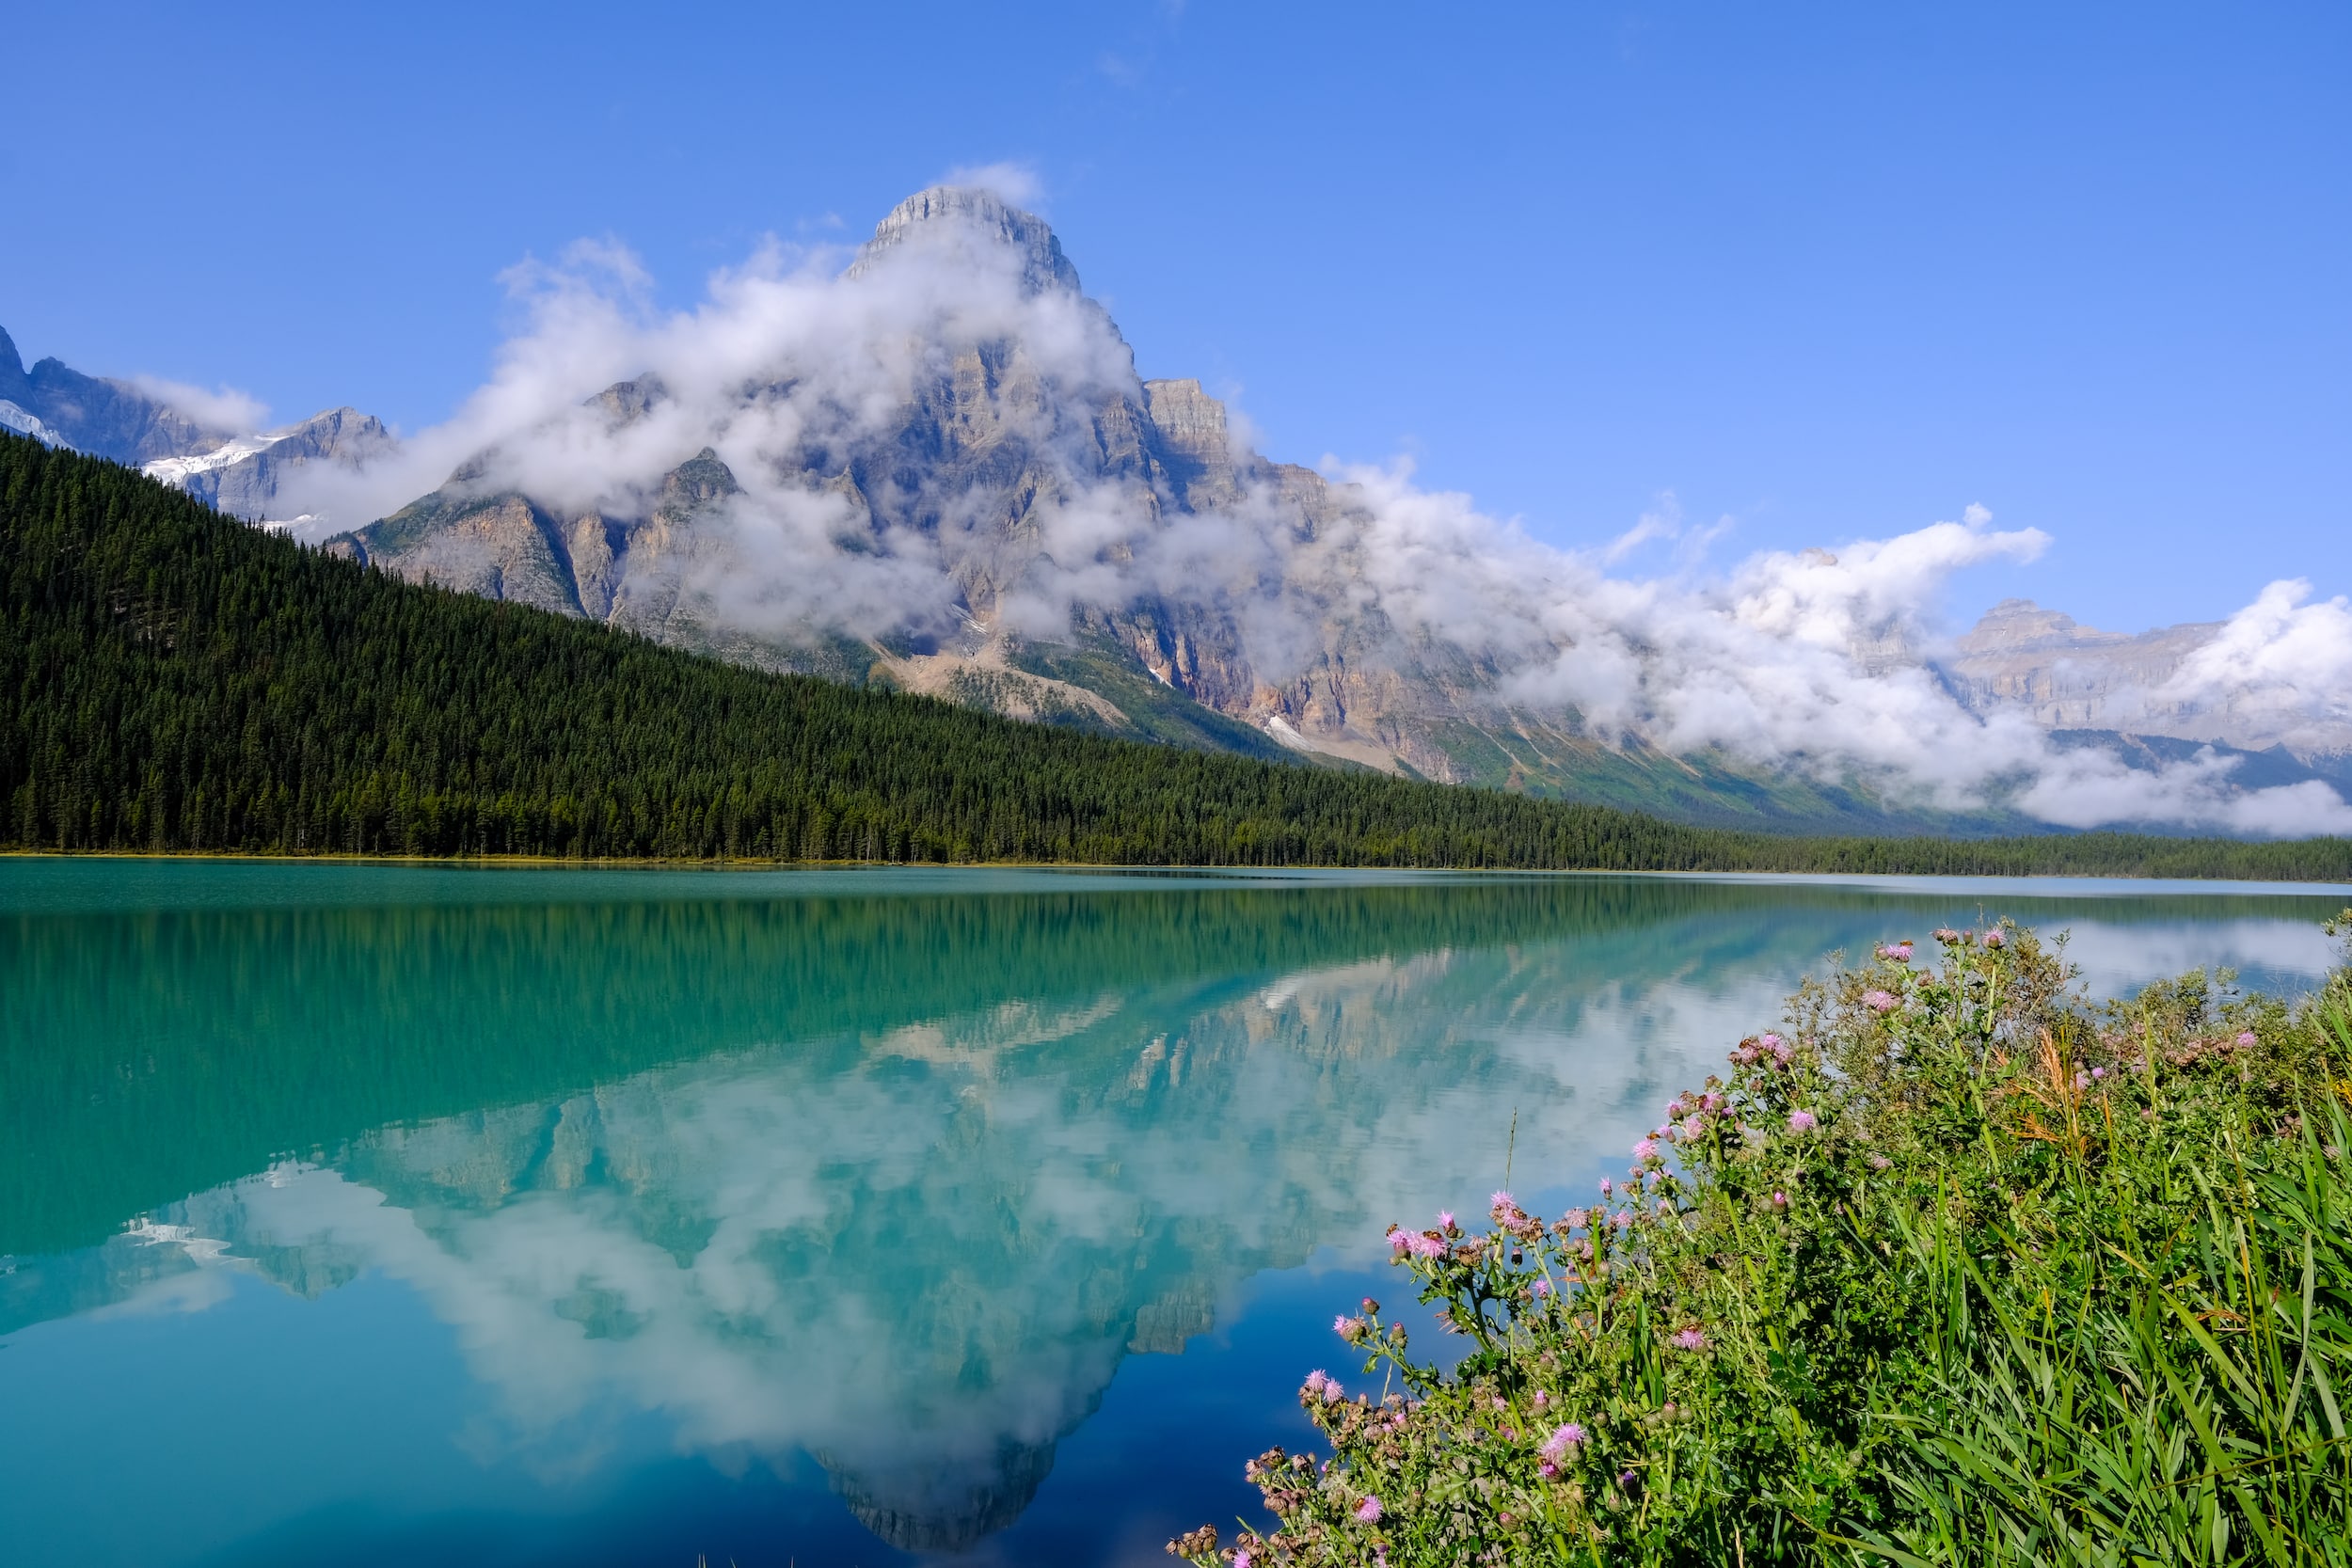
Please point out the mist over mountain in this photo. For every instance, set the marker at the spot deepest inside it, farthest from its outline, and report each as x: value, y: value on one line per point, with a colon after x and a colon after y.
x: 937, y: 468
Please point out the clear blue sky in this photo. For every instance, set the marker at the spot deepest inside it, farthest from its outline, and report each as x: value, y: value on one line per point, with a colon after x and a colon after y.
x: 1837, y: 270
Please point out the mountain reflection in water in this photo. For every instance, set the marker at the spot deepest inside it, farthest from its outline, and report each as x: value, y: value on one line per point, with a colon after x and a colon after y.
x: 850, y: 1165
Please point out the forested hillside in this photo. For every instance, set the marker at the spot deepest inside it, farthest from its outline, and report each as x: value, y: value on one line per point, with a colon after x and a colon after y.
x: 173, y: 680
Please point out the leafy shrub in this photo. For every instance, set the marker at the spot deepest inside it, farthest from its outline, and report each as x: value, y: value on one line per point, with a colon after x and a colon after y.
x: 1951, y: 1269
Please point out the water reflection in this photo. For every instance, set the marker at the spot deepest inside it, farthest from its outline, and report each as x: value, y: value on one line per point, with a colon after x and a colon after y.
x: 895, y: 1181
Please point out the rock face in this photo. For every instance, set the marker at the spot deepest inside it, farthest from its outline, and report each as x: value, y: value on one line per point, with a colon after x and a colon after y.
x: 242, y: 477
x: 106, y: 418
x: 2072, y: 677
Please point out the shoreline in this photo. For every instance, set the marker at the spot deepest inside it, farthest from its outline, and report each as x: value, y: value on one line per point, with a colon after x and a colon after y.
x: 1883, y: 879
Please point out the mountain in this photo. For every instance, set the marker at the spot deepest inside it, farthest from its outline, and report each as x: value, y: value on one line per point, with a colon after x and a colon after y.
x: 998, y: 433
x: 2022, y: 657
x: 938, y: 470
x: 238, y: 472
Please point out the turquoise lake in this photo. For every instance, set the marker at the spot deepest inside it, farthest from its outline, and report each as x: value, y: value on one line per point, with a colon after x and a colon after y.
x: 375, y: 1214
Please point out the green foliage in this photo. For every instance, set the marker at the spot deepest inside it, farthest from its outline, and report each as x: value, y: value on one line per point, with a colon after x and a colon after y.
x: 172, y: 680
x: 1947, y: 1274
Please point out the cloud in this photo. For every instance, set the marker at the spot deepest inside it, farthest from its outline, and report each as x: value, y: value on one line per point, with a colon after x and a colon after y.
x: 2281, y: 665
x: 224, y: 408
x: 825, y: 393
x: 1017, y: 183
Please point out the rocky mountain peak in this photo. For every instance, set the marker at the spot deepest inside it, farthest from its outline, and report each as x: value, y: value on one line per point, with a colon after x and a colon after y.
x: 15, y: 386
x: 953, y: 216
x: 2015, y: 624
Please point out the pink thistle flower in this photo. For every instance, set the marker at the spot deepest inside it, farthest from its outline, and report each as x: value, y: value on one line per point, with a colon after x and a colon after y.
x: 1542, y: 1399
x: 1622, y: 1219
x: 1578, y: 1218
x: 1347, y: 1327
x: 1445, y: 1219
x: 1332, y: 1393
x: 1645, y: 1149
x: 1780, y: 1202
x: 1878, y: 1001
x: 1606, y: 1187
x: 1316, y: 1379
x: 1556, y: 1446
x: 2247, y: 1039
x: 1769, y: 1041
x: 1690, y: 1339
x: 1880, y: 1162
x: 1548, y: 1470
x: 1803, y: 1122
x: 1399, y: 1240
x: 1243, y: 1558
x: 1694, y: 1126
x: 1503, y: 1200
x: 1368, y: 1512
x: 1995, y: 939
x: 1542, y: 1288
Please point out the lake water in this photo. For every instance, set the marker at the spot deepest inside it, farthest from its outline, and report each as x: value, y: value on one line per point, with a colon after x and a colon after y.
x: 391, y: 1214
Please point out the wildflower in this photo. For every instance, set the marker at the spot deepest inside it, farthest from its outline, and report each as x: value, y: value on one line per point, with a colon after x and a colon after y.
x: 1880, y: 1162
x: 1780, y: 1203
x: 2098, y: 1072
x: 2246, y: 1039
x: 1332, y: 1392
x: 1556, y: 1446
x: 2082, y: 1080
x: 1578, y: 1218
x: 1803, y: 1122
x: 1243, y: 1558
x: 1503, y: 1203
x: 1542, y: 1288
x: 1399, y: 1240
x: 1445, y: 1219
x: 1692, y: 1126
x: 1347, y: 1327
x: 1622, y: 1219
x: 1878, y: 1001
x: 1605, y: 1187
x: 1316, y: 1379
x: 1645, y: 1149
x: 1690, y: 1339
x: 2331, y: 1152
x: 1369, y: 1510
x: 1548, y: 1470
x: 1946, y: 934
x: 1993, y: 939
x: 1541, y: 1398
x: 1370, y: 1306
x: 1782, y: 1051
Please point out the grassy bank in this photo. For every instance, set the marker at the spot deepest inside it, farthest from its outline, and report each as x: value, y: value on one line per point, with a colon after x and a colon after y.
x: 1951, y: 1268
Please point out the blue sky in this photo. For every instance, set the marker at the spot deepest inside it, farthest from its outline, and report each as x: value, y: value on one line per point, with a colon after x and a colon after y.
x: 1834, y: 271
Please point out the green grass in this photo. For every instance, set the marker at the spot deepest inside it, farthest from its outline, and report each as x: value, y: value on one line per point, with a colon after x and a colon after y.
x: 1953, y: 1269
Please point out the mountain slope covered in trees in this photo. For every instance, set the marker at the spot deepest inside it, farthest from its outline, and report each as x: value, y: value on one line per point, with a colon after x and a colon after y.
x: 172, y: 680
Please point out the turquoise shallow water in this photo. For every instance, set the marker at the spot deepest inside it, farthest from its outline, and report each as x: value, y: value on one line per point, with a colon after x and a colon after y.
x: 365, y: 1214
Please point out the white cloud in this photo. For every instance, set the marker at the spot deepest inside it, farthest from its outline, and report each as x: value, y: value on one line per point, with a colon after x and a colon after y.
x: 1017, y: 183
x: 223, y: 408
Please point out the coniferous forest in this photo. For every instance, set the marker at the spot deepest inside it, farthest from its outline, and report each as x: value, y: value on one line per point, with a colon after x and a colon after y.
x: 171, y: 679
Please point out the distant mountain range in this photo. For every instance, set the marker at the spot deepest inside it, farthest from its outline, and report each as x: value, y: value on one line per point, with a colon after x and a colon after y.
x: 238, y: 472
x: 1006, y: 515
